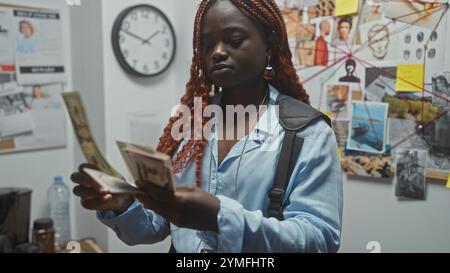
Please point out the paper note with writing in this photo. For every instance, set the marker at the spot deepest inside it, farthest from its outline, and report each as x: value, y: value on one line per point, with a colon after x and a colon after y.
x: 346, y: 7
x: 410, y: 78
x: 112, y: 184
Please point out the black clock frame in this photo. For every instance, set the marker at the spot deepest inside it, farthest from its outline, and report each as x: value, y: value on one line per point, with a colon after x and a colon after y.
x: 115, y: 40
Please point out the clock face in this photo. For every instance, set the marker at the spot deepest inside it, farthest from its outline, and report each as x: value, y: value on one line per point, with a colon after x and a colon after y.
x: 143, y: 40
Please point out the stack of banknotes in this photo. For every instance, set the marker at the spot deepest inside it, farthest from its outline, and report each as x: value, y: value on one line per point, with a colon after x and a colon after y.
x: 145, y: 164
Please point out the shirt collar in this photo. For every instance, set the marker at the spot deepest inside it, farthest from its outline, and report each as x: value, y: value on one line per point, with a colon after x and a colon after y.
x: 267, y: 123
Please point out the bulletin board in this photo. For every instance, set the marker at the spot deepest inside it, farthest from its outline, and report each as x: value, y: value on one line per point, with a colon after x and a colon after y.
x: 32, y: 77
x: 381, y: 69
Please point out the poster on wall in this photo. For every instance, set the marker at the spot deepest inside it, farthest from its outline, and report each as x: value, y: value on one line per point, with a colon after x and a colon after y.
x: 39, y: 47
x: 32, y: 118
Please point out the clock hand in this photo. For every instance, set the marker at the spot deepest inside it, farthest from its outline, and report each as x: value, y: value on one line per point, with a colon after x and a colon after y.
x: 133, y: 35
x: 147, y: 41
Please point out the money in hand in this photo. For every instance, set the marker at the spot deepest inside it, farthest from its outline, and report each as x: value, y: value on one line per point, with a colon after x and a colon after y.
x: 85, y: 138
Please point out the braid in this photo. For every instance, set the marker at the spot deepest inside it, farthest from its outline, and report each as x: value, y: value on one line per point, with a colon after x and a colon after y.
x: 286, y: 79
x: 268, y: 15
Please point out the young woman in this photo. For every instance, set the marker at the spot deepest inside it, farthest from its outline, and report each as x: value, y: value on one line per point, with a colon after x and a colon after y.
x: 220, y: 203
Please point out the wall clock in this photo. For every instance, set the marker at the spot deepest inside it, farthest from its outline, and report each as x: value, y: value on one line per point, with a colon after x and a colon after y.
x: 143, y: 41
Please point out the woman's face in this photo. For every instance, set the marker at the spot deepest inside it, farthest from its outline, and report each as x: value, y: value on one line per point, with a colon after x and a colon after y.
x: 26, y: 30
x: 234, y: 49
x: 344, y: 31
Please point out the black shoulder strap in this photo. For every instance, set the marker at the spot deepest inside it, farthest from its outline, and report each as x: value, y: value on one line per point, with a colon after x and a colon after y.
x: 294, y: 116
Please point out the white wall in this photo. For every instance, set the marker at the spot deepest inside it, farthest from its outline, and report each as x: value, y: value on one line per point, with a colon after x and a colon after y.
x: 125, y: 94
x: 87, y: 54
x: 35, y: 170
x: 373, y: 213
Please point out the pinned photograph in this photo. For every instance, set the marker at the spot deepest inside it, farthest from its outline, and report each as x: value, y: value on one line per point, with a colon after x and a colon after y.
x: 371, y: 12
x: 439, y: 132
x: 292, y: 14
x: 321, y: 9
x: 380, y: 82
x: 350, y: 68
x: 419, y: 13
x: 340, y: 128
x: 403, y: 134
x: 380, y: 87
x: 368, y: 165
x: 379, y: 41
x: 368, y: 127
x: 344, y: 32
x: 338, y: 101
x: 15, y: 116
x: 411, y: 171
x: 322, y: 49
x: 305, y: 45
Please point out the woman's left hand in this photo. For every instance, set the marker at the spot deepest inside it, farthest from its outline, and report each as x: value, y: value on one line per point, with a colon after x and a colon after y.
x: 188, y: 207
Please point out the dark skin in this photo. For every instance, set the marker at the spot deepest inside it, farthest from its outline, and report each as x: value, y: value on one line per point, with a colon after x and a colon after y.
x: 231, y: 39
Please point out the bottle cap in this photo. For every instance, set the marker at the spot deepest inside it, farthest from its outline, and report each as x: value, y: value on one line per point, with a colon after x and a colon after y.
x: 58, y: 179
x: 43, y: 223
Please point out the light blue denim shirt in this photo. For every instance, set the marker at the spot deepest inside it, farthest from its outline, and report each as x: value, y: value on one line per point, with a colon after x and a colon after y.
x: 312, y: 203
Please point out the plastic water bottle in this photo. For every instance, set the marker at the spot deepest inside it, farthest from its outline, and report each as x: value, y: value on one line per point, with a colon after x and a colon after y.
x: 58, y: 201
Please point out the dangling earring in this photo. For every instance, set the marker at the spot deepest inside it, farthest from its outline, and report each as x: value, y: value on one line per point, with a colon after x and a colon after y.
x: 269, y: 71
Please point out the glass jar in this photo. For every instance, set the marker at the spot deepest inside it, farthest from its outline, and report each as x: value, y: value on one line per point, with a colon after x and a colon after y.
x: 44, y: 234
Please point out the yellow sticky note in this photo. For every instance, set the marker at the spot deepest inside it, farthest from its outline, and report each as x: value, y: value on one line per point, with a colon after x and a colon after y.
x: 448, y: 181
x: 346, y: 7
x: 329, y: 115
x: 410, y: 78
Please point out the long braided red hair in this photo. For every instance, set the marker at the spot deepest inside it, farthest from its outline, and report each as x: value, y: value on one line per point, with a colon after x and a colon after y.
x: 268, y: 15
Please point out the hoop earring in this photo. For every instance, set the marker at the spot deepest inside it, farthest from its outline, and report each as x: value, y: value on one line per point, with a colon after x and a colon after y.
x: 269, y: 71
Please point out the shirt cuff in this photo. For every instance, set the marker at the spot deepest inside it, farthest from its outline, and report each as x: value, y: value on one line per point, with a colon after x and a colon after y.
x: 111, y: 215
x: 230, y: 221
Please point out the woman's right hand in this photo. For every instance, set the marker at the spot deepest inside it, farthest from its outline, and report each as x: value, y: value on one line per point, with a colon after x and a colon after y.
x: 94, y: 197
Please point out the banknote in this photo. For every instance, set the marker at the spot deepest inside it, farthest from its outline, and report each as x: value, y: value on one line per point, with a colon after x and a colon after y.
x: 84, y: 135
x: 147, y: 165
x: 112, y: 184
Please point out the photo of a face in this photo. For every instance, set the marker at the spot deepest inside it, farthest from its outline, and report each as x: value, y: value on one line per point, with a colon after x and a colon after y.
x: 431, y: 53
x: 344, y: 28
x: 441, y: 87
x: 408, y: 38
x: 321, y: 56
x: 26, y: 29
x: 350, y: 67
x: 434, y: 36
x: 406, y: 55
x: 419, y: 54
x: 26, y: 42
x: 379, y: 41
x: 420, y: 37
